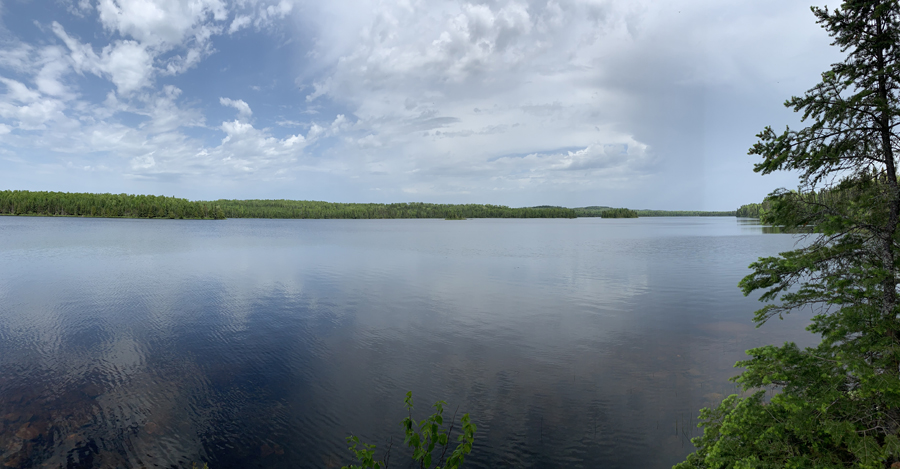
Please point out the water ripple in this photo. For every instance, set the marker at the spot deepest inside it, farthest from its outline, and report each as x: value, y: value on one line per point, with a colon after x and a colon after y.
x: 574, y: 343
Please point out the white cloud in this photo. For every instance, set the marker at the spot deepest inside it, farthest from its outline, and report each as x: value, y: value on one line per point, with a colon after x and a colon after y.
x: 128, y: 64
x: 315, y: 131
x: 151, y: 29
x: 447, y: 90
x: 293, y: 140
x: 19, y: 92
x: 35, y: 114
x: 239, y: 104
x: 182, y: 63
x: 446, y: 45
x: 145, y: 126
x: 82, y: 55
x: 269, y: 13
x: 418, y: 72
x: 17, y: 57
x: 165, y: 115
x: 436, y: 98
x: 160, y: 23
x: 282, y: 9
x: 369, y: 141
x: 246, y: 149
x: 143, y: 162
x: 340, y: 123
x: 53, y: 68
x: 78, y: 8
x: 319, y: 89
x: 622, y: 159
x: 240, y: 22
x: 235, y: 128
x: 28, y: 108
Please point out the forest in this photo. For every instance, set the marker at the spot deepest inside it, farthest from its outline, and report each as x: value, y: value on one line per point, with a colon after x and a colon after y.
x: 39, y: 203
x: 682, y: 213
x: 313, y: 209
x: 750, y: 210
x: 599, y: 210
x: 104, y: 205
x: 619, y: 213
x: 839, y: 194
x: 79, y: 204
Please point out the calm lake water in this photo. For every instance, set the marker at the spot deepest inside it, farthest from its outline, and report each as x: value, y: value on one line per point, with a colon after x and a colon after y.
x: 264, y: 343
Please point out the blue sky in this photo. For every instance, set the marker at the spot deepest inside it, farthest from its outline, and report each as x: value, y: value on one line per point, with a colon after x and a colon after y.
x: 643, y: 104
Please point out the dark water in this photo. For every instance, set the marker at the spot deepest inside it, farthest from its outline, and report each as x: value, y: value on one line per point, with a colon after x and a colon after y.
x: 264, y: 343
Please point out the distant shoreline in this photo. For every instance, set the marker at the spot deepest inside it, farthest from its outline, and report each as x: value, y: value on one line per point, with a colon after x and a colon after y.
x: 93, y: 205
x: 600, y: 211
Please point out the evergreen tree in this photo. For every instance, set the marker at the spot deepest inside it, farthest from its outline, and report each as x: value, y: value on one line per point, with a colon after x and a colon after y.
x: 836, y: 404
x: 619, y: 213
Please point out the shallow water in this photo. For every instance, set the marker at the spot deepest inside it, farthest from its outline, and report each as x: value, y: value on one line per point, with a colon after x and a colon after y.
x: 264, y: 343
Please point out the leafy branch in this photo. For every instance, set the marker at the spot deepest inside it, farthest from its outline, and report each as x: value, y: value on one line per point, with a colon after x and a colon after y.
x: 425, y: 438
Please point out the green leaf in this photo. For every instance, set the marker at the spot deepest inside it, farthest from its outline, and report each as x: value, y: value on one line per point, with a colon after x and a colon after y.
x: 868, y: 451
x: 892, y: 445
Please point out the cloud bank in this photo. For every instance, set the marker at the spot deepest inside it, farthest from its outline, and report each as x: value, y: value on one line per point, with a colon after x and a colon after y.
x: 575, y: 103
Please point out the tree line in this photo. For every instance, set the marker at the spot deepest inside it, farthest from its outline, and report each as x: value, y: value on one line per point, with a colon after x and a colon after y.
x: 752, y: 210
x: 150, y: 206
x: 76, y: 204
x: 600, y: 210
x: 619, y: 213
x: 836, y: 195
x: 683, y: 213
x: 315, y: 209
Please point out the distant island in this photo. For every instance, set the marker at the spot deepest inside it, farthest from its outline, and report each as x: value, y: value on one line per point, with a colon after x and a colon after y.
x: 82, y: 204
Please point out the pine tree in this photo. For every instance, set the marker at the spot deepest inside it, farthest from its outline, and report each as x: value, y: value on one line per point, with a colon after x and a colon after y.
x: 836, y: 404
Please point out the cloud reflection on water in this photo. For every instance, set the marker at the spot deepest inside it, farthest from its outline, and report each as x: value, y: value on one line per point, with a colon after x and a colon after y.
x: 571, y: 342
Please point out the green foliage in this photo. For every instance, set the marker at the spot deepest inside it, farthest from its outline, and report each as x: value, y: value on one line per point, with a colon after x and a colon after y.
x: 599, y: 210
x: 314, y: 209
x: 104, y: 205
x: 592, y: 211
x: 752, y: 210
x: 427, y: 439
x: 619, y: 213
x: 836, y: 404
x: 365, y: 456
x: 429, y: 433
x: 850, y: 192
x: 149, y: 206
x: 682, y: 213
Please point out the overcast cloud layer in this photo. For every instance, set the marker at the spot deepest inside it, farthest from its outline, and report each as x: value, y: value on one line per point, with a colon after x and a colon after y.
x: 630, y: 103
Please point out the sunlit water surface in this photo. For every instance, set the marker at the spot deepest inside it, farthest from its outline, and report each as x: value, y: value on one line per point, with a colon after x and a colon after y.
x: 264, y: 343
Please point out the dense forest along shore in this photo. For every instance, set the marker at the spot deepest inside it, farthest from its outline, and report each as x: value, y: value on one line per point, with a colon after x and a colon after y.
x: 81, y: 204
x: 150, y: 206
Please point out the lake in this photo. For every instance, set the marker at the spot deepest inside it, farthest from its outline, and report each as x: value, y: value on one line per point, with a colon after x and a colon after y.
x: 265, y: 343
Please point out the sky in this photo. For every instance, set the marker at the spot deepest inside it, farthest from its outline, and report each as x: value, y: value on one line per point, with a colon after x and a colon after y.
x: 626, y: 103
